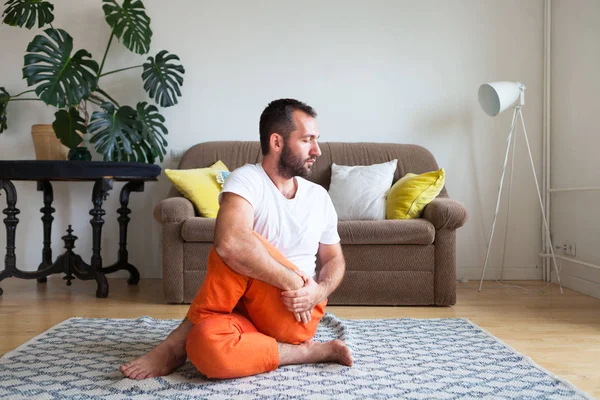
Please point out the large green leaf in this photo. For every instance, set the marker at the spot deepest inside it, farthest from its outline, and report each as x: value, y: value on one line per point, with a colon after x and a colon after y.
x: 114, y: 132
x: 143, y: 153
x: 129, y: 23
x: 65, y: 79
x: 4, y: 97
x: 66, y: 125
x: 152, y: 131
x: 26, y: 12
x: 162, y: 79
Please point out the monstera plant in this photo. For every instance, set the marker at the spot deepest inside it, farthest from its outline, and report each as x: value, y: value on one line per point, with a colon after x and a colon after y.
x: 70, y: 80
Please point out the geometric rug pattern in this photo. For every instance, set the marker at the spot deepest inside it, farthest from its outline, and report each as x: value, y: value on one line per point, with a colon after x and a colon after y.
x: 448, y: 358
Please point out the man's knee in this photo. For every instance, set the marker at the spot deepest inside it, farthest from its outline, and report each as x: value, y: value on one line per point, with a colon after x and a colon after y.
x: 204, y: 347
x: 228, y: 346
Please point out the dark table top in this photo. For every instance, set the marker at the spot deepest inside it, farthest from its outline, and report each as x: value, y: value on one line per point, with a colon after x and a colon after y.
x: 40, y: 170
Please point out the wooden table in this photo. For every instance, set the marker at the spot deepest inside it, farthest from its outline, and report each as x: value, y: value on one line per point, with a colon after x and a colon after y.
x: 103, y: 174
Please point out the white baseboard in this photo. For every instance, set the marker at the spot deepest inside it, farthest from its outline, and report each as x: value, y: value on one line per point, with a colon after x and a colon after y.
x: 511, y: 274
x: 581, y: 278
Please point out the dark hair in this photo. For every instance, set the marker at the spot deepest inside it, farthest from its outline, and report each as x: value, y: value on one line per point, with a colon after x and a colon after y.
x: 277, y: 118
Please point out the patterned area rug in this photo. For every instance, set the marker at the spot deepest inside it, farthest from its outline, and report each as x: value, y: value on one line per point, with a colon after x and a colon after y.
x: 393, y: 358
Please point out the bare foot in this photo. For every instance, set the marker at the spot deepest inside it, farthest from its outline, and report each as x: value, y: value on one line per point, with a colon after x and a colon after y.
x: 167, y: 356
x: 344, y: 355
x: 315, y: 352
x: 334, y: 351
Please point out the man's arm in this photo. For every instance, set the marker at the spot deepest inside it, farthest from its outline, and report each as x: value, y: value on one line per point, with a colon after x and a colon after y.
x: 330, y: 277
x: 333, y: 267
x: 242, y: 251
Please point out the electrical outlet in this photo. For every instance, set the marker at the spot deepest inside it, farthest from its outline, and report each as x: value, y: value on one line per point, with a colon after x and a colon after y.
x: 569, y: 248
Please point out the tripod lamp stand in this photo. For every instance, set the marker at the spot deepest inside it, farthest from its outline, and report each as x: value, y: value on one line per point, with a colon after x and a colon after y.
x: 494, y: 98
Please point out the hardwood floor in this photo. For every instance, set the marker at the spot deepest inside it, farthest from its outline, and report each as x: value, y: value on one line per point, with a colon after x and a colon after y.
x: 559, y: 332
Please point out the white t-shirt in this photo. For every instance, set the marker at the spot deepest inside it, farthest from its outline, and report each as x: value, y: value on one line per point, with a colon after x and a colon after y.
x: 294, y: 226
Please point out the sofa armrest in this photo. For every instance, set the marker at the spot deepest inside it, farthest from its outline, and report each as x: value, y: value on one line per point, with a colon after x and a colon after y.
x: 445, y: 213
x: 173, y: 210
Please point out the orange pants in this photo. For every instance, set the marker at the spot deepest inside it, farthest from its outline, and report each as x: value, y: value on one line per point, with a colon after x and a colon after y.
x: 238, y: 322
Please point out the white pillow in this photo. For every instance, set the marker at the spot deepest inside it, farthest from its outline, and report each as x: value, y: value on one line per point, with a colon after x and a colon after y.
x: 358, y: 193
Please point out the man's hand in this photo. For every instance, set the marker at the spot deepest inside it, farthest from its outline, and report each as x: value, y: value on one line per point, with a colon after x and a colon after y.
x: 302, y: 301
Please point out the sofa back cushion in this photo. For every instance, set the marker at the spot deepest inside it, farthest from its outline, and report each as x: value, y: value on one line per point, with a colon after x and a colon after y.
x: 411, y: 158
x: 409, y: 231
x: 418, y: 231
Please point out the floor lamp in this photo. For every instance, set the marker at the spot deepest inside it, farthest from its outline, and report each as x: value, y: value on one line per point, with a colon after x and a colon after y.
x: 494, y: 98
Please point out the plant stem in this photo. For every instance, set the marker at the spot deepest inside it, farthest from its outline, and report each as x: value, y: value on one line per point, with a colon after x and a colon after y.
x: 108, y: 97
x: 82, y: 108
x: 27, y: 91
x: 122, y: 69
x: 96, y: 98
x: 105, y: 53
x: 95, y: 102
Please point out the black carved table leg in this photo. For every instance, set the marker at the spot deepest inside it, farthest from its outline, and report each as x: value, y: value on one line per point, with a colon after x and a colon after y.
x: 74, y: 267
x: 11, y: 221
x: 47, y: 267
x: 47, y: 219
x: 124, y: 211
x: 70, y: 267
x: 99, y: 194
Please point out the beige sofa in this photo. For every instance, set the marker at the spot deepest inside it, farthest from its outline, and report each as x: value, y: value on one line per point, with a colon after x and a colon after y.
x: 391, y: 262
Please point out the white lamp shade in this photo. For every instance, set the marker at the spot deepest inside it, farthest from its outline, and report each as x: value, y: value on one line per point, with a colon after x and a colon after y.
x: 496, y: 97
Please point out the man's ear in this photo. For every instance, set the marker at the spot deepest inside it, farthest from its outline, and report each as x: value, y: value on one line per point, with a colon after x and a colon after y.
x: 276, y: 142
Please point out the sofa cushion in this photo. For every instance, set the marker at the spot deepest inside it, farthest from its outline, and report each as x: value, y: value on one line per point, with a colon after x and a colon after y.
x: 198, y: 229
x: 399, y: 231
x: 410, y: 194
x: 200, y: 186
x: 358, y: 192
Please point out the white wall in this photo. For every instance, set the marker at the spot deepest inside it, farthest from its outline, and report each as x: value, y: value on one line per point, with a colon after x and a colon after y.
x: 382, y: 71
x: 575, y: 137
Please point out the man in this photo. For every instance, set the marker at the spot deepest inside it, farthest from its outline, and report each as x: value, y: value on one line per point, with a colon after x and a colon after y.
x: 260, y: 304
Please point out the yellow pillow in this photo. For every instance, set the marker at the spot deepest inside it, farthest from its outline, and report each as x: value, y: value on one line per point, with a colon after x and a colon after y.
x: 410, y: 194
x: 200, y: 186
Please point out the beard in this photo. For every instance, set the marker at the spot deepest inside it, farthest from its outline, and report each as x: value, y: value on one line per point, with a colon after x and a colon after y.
x: 290, y: 165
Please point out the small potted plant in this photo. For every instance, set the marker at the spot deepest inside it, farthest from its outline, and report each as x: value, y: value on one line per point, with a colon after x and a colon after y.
x: 70, y: 81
